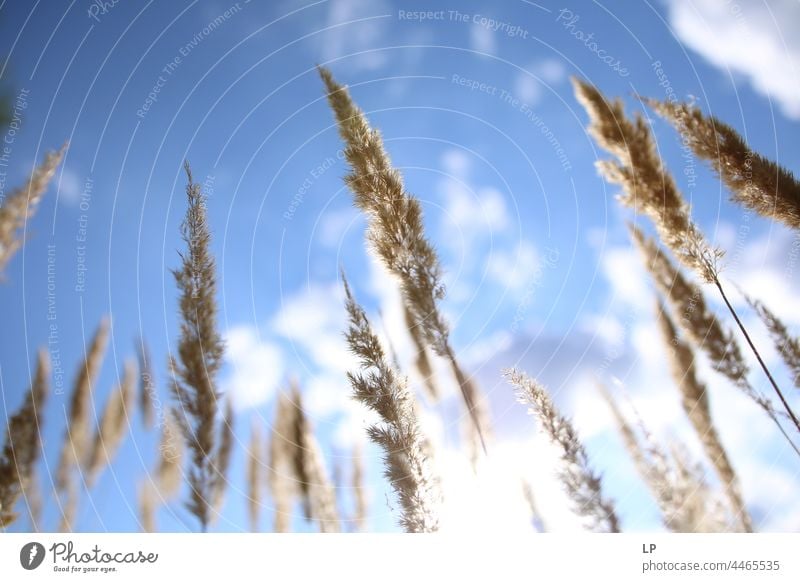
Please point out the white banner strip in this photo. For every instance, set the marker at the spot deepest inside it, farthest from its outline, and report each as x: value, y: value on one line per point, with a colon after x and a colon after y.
x: 406, y: 558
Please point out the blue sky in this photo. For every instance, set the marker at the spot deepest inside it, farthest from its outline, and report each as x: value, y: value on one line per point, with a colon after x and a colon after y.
x: 476, y: 109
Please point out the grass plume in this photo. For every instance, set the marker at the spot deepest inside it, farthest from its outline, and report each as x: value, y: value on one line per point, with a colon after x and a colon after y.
x: 648, y: 186
x: 200, y: 354
x: 695, y: 402
x: 113, y: 425
x: 254, y: 477
x: 681, y: 493
x: 21, y: 204
x: 754, y: 181
x: 379, y: 388
x: 581, y: 483
x: 788, y: 346
x: 23, y: 443
x: 76, y: 443
x: 700, y: 324
x: 147, y: 383
x: 396, y: 235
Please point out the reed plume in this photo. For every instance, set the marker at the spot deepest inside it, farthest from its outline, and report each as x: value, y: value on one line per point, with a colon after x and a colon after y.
x: 581, y: 483
x: 754, y: 181
x: 113, y: 424
x: 648, y: 185
x: 76, y: 443
x: 23, y: 444
x: 681, y: 494
x: 396, y: 235
x: 147, y: 384
x: 147, y: 507
x: 379, y: 388
x: 281, y: 480
x: 170, y: 457
x: 699, y: 323
x: 788, y: 347
x: 319, y: 493
x: 223, y: 460
x: 200, y: 353
x: 254, y: 470
x: 695, y: 402
x: 421, y: 360
x: 21, y: 204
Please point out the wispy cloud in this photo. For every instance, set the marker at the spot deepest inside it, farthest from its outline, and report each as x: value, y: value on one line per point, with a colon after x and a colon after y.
x: 756, y: 39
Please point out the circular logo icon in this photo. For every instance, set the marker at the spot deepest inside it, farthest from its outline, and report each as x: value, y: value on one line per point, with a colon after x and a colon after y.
x: 31, y: 555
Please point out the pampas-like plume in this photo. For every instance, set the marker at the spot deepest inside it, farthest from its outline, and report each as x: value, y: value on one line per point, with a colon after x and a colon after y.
x: 147, y: 507
x: 582, y: 484
x: 23, y: 444
x: 254, y: 469
x: 281, y: 465
x: 421, y: 361
x: 113, y: 425
x: 754, y: 181
x: 170, y: 449
x: 701, y: 326
x: 378, y: 387
x: 22, y: 203
x: 647, y: 185
x: 681, y: 494
x: 695, y: 403
x: 76, y: 438
x: 397, y: 236
x: 200, y: 353
x: 645, y: 182
x: 788, y: 347
x: 319, y: 493
x: 223, y: 460
x: 147, y: 384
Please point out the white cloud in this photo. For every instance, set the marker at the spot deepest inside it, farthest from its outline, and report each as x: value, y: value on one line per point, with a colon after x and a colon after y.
x: 482, y: 39
x: 314, y: 319
x: 758, y: 40
x: 623, y: 270
x: 256, y: 367
x: 515, y: 268
x: 528, y: 85
x: 69, y: 187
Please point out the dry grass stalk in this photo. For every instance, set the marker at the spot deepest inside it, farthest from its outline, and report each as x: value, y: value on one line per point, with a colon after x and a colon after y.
x: 21, y: 204
x: 699, y: 323
x: 281, y: 465
x: 788, y: 347
x: 76, y: 438
x: 396, y: 234
x: 200, y: 353
x: 582, y: 484
x: 359, y: 491
x: 405, y: 450
x: 254, y: 478
x: 754, y: 181
x: 681, y: 494
x: 147, y: 507
x: 223, y: 460
x: 530, y: 500
x: 113, y: 424
x: 421, y: 360
x: 695, y: 402
x: 147, y: 384
x: 168, y: 472
x: 310, y: 470
x: 23, y: 444
x: 646, y: 184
